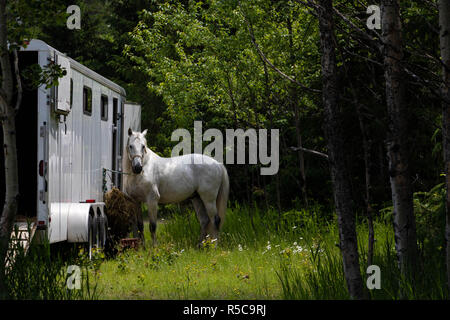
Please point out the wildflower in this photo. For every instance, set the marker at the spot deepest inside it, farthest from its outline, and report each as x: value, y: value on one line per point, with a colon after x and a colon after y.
x: 298, y: 249
x: 240, y: 247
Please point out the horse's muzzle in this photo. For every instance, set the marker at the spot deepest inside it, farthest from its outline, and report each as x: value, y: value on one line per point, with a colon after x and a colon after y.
x: 137, y: 169
x: 136, y: 165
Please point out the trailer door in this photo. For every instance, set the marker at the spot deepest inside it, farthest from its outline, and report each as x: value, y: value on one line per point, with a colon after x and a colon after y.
x: 117, y: 142
x: 62, y: 105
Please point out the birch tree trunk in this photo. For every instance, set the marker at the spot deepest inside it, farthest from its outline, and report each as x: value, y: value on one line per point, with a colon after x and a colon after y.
x: 402, y: 196
x: 444, y: 23
x: 7, y: 119
x: 339, y: 172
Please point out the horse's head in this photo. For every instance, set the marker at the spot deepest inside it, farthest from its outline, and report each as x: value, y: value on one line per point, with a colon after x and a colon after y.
x: 136, y: 148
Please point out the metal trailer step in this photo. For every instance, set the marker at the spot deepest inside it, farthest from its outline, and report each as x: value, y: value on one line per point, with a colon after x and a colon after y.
x: 21, y: 237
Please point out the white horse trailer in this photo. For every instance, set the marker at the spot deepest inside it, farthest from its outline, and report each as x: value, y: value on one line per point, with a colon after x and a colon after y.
x: 66, y: 136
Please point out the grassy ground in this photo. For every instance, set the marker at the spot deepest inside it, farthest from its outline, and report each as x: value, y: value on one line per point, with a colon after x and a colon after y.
x: 260, y: 256
x: 241, y: 266
x: 165, y: 273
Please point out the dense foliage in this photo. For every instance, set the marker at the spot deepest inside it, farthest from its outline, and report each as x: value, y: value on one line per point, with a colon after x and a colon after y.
x: 195, y: 60
x: 257, y: 64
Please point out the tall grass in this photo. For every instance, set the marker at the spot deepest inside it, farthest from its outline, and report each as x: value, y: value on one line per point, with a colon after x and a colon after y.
x: 325, y: 280
x: 322, y: 276
x: 41, y: 273
x: 244, y: 225
x: 262, y: 254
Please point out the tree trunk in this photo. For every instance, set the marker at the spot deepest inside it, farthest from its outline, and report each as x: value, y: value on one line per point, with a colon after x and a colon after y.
x: 7, y: 119
x: 402, y: 196
x: 444, y: 23
x: 368, y: 181
x: 294, y: 103
x: 301, y: 157
x: 339, y: 172
x: 12, y: 191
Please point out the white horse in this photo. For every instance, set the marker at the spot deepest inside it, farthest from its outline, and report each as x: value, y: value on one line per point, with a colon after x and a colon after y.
x: 170, y: 180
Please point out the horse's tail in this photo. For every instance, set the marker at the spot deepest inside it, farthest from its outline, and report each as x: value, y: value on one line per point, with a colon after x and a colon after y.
x: 222, y: 199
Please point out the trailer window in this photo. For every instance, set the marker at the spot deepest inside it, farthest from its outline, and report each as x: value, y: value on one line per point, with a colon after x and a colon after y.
x: 87, y: 100
x: 104, y: 108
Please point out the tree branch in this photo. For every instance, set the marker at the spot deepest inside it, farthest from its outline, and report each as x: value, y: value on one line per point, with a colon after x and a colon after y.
x: 359, y: 31
x: 317, y: 153
x: 262, y: 55
x: 435, y: 91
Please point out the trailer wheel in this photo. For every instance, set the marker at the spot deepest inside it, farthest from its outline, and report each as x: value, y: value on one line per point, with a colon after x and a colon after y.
x: 110, y: 250
x: 92, y: 233
x: 102, y: 229
x: 106, y: 229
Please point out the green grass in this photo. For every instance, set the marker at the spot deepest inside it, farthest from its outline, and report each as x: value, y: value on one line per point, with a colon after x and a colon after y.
x: 242, y: 266
x: 260, y: 255
x: 255, y: 246
x: 41, y: 273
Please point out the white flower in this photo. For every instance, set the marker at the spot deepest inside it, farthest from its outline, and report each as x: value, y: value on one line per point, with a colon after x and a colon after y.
x: 298, y: 249
x: 240, y: 247
x: 269, y: 247
x: 295, y: 243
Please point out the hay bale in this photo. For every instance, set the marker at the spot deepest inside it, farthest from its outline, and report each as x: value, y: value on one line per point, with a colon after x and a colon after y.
x: 122, y: 212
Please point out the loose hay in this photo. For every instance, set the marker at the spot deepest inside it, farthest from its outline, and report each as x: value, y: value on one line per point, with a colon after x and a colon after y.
x: 122, y: 212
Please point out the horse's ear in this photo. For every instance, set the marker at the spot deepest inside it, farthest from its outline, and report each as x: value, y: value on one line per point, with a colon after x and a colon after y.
x: 144, y: 132
x: 130, y: 132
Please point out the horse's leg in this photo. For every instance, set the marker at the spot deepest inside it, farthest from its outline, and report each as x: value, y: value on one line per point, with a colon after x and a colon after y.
x: 153, y: 214
x: 135, y: 228
x: 211, y: 209
x: 140, y: 227
x: 202, y: 217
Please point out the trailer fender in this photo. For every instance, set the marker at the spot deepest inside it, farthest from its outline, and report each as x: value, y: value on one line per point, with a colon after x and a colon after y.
x: 78, y: 220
